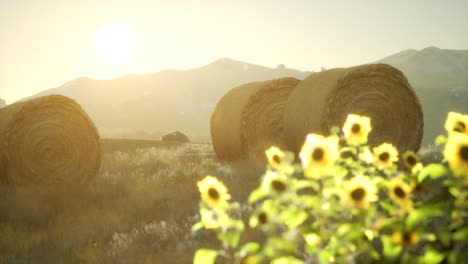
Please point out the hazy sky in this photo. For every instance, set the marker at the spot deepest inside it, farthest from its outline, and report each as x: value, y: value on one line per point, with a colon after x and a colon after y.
x: 44, y: 43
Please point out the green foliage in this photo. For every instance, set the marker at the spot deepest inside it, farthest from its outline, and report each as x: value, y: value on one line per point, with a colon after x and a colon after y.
x: 362, y: 209
x: 205, y: 256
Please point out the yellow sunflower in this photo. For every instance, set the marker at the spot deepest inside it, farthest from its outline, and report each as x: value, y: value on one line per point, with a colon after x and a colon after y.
x: 274, y: 182
x: 406, y: 239
x: 356, y: 129
x: 259, y: 219
x: 213, y: 192
x: 385, y: 155
x: 319, y: 154
x: 360, y: 191
x: 400, y: 193
x: 456, y: 122
x: 280, y: 160
x: 456, y: 153
x: 412, y: 161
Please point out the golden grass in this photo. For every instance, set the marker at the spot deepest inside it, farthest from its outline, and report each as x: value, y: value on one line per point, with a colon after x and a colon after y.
x: 139, y: 209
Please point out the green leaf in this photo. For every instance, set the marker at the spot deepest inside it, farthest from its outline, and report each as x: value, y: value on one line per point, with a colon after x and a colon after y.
x: 197, y: 226
x: 440, y: 140
x: 205, y: 256
x: 387, y: 206
x: 445, y: 238
x: 256, y: 195
x: 234, y: 206
x: 461, y: 234
x: 287, y: 260
x: 341, y: 172
x: 335, y: 130
x: 343, y: 229
x: 250, y: 247
x: 431, y: 257
x: 423, y: 213
x: 432, y: 170
x: 302, y: 184
x: 307, y: 200
x: 325, y: 256
x: 390, y: 250
x: 348, y: 149
x: 293, y: 217
x: 278, y: 244
x: 455, y: 192
x: 232, y: 238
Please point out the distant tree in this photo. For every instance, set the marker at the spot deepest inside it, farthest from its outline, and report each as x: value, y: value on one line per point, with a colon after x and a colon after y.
x: 281, y: 67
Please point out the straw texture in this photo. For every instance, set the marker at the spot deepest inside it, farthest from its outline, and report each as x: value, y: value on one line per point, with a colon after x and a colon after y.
x: 48, y: 140
x: 262, y: 118
x: 324, y: 99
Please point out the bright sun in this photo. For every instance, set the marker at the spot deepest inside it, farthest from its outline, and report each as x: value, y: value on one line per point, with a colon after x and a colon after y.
x: 115, y: 44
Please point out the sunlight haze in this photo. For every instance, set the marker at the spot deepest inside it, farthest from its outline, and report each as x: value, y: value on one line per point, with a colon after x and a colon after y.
x: 47, y: 43
x: 115, y: 44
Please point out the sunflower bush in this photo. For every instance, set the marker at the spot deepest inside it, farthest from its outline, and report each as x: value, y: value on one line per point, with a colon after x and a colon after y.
x: 346, y: 202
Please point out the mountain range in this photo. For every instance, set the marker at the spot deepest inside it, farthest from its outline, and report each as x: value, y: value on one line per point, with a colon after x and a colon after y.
x: 147, y: 106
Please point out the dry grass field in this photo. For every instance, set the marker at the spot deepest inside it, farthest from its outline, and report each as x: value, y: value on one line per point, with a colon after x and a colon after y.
x: 139, y: 209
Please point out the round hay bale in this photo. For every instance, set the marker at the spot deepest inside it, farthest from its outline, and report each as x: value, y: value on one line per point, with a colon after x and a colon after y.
x: 262, y: 118
x: 48, y: 140
x: 379, y: 91
x: 225, y: 122
x: 244, y: 109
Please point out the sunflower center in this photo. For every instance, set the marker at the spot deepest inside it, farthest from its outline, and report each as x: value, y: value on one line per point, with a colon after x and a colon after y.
x: 464, y: 152
x: 356, y: 128
x: 278, y: 185
x: 399, y: 192
x: 262, y: 218
x: 213, y: 193
x: 460, y: 127
x: 411, y: 160
x: 406, y: 237
x: 317, y: 154
x: 276, y: 159
x: 358, y: 194
x: 384, y: 156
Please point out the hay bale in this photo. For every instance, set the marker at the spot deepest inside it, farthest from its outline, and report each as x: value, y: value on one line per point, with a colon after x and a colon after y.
x: 262, y: 118
x: 233, y: 121
x: 48, y: 140
x: 379, y: 91
x: 175, y: 136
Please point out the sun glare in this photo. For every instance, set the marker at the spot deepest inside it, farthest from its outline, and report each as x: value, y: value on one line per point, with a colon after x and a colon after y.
x: 115, y: 44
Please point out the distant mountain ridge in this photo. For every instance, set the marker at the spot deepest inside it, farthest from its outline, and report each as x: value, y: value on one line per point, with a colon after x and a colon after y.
x: 147, y: 106
x: 440, y: 79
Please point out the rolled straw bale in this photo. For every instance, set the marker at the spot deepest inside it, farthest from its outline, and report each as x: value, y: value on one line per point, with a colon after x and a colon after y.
x: 379, y: 91
x: 47, y: 140
x: 225, y: 122
x: 262, y: 118
x: 242, y: 107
